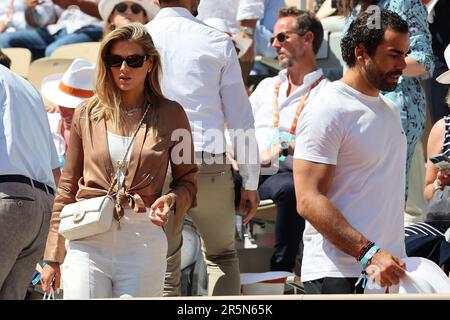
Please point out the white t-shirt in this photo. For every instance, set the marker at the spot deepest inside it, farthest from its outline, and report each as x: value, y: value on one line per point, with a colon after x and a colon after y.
x: 363, y: 137
x: 26, y: 143
x: 118, y: 146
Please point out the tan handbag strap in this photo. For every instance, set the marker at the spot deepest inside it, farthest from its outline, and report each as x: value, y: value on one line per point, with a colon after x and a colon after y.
x: 116, y: 180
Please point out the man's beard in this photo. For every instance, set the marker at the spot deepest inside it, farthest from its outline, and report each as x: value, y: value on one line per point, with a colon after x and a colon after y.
x: 286, y: 61
x: 379, y: 80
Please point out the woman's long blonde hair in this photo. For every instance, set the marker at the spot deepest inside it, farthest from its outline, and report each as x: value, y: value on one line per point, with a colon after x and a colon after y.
x: 106, y: 103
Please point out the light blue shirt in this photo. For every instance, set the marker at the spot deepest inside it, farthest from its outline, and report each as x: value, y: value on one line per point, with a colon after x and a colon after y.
x: 26, y: 143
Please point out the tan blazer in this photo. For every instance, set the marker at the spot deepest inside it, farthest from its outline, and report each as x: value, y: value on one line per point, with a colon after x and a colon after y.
x: 88, y: 171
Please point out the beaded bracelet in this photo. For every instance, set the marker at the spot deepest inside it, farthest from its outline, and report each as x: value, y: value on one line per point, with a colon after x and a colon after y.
x: 363, y: 250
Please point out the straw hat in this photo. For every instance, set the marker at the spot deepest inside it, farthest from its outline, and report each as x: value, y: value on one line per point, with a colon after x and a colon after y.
x: 242, y: 44
x: 106, y: 7
x: 71, y: 88
x: 445, y: 77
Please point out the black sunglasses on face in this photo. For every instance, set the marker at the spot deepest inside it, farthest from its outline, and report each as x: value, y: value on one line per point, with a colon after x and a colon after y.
x: 282, y: 36
x: 134, y: 61
x: 122, y: 8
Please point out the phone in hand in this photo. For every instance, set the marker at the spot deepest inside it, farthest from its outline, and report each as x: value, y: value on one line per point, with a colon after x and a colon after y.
x: 441, y: 161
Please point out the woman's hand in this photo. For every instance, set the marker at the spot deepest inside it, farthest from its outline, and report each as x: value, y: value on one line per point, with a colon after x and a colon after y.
x: 161, y: 209
x: 51, y: 277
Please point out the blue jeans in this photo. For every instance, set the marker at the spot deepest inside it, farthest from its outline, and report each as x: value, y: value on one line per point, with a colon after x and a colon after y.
x: 41, y: 43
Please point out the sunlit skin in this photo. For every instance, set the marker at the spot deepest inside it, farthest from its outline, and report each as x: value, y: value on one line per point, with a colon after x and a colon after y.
x: 129, y: 80
x: 383, y: 70
x: 119, y: 19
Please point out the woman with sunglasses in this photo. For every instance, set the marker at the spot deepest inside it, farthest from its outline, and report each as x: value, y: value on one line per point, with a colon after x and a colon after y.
x: 127, y: 113
x: 117, y: 13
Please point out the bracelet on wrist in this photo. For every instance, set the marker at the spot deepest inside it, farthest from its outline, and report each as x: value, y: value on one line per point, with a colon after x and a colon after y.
x: 363, y: 249
x: 365, y: 261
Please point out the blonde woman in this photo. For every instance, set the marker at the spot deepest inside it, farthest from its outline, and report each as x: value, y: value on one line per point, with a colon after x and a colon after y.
x: 129, y: 259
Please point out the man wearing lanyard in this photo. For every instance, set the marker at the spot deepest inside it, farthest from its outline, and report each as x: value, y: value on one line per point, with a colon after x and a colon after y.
x: 277, y: 104
x: 201, y: 72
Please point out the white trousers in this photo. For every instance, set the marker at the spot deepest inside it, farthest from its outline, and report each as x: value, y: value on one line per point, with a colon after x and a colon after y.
x: 130, y: 262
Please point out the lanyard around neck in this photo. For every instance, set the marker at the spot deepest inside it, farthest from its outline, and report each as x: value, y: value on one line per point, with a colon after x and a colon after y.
x: 301, y: 105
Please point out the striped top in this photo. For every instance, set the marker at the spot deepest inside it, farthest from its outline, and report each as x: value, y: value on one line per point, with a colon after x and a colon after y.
x: 446, y: 146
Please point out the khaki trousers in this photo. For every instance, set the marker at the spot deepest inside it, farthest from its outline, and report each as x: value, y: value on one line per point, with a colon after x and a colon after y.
x: 214, y: 218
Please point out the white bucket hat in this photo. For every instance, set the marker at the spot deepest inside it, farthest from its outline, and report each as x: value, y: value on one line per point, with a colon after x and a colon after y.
x: 243, y: 44
x: 445, y: 77
x: 71, y: 88
x: 106, y: 7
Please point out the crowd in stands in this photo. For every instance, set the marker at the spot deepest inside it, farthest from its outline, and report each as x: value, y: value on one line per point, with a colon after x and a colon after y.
x: 204, y: 108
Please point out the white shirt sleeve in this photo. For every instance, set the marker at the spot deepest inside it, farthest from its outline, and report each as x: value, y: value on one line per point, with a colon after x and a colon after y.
x: 239, y: 119
x: 320, y: 134
x: 250, y: 9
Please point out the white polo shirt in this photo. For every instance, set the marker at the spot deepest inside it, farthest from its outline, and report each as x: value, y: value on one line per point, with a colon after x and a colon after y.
x: 26, y: 143
x: 200, y: 71
x: 262, y: 101
x: 363, y: 137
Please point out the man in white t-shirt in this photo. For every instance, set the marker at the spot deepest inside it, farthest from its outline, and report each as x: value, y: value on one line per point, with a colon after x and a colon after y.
x: 349, y: 171
x: 298, y: 36
x: 29, y: 170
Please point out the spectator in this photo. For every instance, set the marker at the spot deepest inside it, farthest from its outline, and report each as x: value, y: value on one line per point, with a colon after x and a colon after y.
x: 440, y: 31
x: 427, y: 239
x: 298, y: 38
x: 69, y: 90
x: 202, y: 73
x: 29, y: 172
x: 5, y: 60
x: 55, y: 26
x: 349, y: 147
x: 117, y: 13
x: 128, y: 105
x: 409, y: 96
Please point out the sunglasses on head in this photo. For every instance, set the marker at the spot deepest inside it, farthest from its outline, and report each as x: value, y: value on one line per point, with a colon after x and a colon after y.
x: 282, y: 36
x: 122, y: 8
x: 134, y: 61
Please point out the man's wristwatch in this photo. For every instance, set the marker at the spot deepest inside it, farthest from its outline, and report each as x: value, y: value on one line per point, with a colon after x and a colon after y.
x: 248, y: 30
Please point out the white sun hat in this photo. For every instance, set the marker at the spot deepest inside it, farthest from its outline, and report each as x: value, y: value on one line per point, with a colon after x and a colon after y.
x: 71, y: 88
x: 445, y: 77
x: 106, y: 7
x: 242, y: 44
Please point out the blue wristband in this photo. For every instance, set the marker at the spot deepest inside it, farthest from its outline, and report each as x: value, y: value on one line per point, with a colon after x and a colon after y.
x: 369, y: 255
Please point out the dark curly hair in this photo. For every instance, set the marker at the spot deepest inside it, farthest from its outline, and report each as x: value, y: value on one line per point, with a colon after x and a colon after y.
x: 306, y: 21
x: 5, y: 60
x: 363, y: 31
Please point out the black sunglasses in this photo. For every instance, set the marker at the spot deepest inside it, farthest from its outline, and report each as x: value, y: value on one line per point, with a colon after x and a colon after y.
x: 122, y: 8
x: 282, y: 36
x: 134, y: 61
